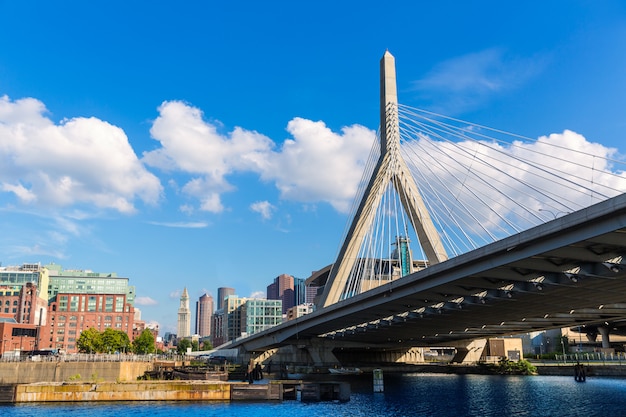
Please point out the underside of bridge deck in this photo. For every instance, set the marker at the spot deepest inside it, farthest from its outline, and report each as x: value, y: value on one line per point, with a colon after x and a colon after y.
x: 566, y: 273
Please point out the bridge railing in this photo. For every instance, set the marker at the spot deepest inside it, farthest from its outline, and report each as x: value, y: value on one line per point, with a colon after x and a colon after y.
x: 613, y: 358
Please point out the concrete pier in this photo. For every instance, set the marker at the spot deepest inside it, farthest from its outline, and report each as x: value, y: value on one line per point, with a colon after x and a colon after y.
x: 174, y: 391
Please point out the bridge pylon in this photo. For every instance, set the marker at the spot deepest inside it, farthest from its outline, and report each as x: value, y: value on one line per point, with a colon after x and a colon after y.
x: 390, y: 171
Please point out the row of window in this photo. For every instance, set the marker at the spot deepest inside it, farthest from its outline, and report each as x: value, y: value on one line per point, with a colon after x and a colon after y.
x: 61, y: 320
x: 91, y: 303
x: 15, y: 278
x: 73, y: 332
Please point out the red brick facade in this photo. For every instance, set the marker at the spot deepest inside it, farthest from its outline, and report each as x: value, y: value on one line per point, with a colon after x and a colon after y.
x: 70, y: 314
x: 21, y: 304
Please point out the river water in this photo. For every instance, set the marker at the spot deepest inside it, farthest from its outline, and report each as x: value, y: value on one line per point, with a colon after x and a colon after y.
x: 405, y: 395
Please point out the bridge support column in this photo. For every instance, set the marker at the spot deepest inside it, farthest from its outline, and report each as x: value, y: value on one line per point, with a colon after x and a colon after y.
x: 471, y: 352
x: 604, y: 331
x: 321, y: 353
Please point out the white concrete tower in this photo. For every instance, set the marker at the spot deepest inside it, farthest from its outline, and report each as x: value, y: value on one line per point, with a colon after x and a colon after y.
x: 184, y: 316
x: 390, y: 171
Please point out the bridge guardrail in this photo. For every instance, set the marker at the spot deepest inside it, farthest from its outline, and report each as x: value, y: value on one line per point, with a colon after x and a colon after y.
x: 616, y: 358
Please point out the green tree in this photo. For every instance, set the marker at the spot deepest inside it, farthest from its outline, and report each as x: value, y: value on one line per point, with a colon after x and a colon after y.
x: 144, y: 343
x: 182, y: 346
x: 114, y: 341
x: 90, y: 341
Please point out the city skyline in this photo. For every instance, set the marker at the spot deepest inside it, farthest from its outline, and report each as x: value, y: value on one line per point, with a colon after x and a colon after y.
x: 206, y: 146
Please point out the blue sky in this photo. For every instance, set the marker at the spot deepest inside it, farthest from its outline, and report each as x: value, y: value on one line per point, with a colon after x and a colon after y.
x: 207, y: 144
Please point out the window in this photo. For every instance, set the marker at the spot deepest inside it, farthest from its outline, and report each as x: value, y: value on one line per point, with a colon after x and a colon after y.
x: 119, y: 304
x: 74, y: 303
x: 91, y: 304
x: 63, y: 303
x: 109, y: 303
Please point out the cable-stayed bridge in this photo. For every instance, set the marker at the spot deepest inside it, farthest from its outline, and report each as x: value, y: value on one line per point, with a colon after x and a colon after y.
x: 461, y: 232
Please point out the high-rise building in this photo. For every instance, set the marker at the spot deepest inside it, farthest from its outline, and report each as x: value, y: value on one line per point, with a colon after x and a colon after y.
x: 259, y: 315
x: 71, y: 313
x: 232, y: 320
x: 184, y: 316
x: 204, y: 315
x: 82, y: 299
x: 59, y: 304
x: 80, y: 281
x: 23, y: 296
x: 222, y: 293
x: 282, y: 289
x: 217, y: 328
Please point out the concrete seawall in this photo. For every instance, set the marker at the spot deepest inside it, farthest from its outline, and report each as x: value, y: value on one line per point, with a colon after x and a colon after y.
x: 31, y: 372
x: 138, y: 391
x: 174, y: 391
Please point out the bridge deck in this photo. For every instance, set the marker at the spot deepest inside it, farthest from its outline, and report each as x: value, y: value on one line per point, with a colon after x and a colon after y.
x: 565, y: 273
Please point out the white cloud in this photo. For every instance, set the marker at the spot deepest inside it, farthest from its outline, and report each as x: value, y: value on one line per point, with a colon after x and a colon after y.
x: 466, y: 81
x: 145, y: 301
x: 316, y: 165
x: 319, y: 164
x: 77, y: 169
x: 264, y: 208
x: 79, y: 161
x: 37, y: 250
x: 193, y: 146
x: 259, y: 295
x: 20, y: 191
x: 181, y: 225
